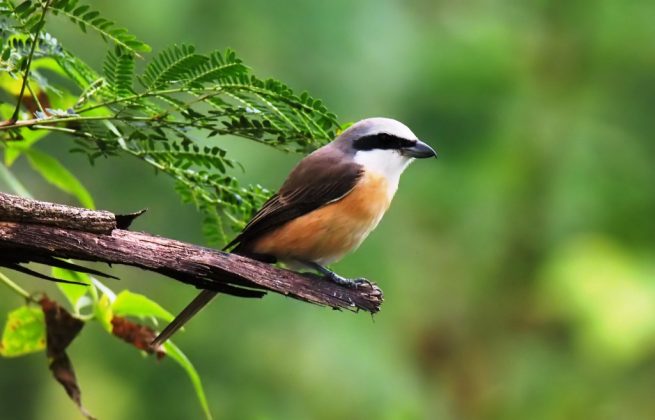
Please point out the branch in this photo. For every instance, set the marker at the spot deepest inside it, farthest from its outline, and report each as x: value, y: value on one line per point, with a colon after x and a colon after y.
x: 32, y: 231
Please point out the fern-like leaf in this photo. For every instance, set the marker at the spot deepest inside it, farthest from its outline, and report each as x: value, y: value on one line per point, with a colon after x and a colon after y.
x: 119, y: 71
x: 218, y: 68
x: 85, y: 18
x: 171, y: 65
x: 26, y: 14
x: 186, y: 155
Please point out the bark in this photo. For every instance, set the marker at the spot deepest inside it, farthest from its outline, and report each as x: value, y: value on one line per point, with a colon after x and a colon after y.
x: 32, y: 231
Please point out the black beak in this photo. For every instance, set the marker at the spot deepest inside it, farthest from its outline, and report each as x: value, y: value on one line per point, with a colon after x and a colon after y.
x: 419, y: 151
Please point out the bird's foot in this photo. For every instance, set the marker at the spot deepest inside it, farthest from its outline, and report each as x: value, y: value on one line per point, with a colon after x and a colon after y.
x: 333, y: 277
x: 346, y: 282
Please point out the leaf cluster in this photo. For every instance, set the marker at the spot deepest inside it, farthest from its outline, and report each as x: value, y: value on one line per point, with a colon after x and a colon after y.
x: 170, y: 114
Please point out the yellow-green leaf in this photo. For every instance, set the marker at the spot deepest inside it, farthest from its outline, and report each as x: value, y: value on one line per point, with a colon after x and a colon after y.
x: 133, y: 304
x: 73, y: 292
x: 103, y: 312
x: 24, y: 332
x: 176, y: 354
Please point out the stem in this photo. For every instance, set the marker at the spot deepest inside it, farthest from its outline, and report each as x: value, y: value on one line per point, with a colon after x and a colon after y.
x: 149, y: 94
x: 53, y: 128
x: 13, y: 286
x: 42, y: 124
x: 38, y: 27
x: 36, y: 98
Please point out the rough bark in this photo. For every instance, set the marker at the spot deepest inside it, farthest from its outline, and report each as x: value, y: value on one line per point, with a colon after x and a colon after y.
x: 32, y: 231
x: 18, y: 209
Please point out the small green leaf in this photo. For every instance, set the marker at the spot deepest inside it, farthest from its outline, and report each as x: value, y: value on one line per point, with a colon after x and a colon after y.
x: 103, y: 313
x: 24, y: 332
x: 13, y: 150
x: 23, y: 7
x: 133, y: 304
x: 56, y: 174
x: 176, y: 354
x: 73, y: 292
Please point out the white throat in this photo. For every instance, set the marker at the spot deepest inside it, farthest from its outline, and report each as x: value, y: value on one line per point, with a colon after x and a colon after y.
x: 388, y: 163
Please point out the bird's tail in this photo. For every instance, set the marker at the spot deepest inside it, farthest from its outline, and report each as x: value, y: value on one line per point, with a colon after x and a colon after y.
x: 187, y: 313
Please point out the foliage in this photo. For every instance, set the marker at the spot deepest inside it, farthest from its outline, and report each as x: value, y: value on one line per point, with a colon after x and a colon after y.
x: 166, y: 116
x: 161, y: 115
x: 23, y: 333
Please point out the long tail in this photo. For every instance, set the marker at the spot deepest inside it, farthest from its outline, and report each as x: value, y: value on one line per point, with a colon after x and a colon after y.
x: 187, y: 313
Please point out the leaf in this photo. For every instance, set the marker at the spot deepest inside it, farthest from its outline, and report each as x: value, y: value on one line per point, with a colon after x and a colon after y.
x: 56, y: 174
x: 107, y: 29
x: 140, y: 336
x: 23, y: 7
x: 73, y: 293
x: 176, y: 354
x: 61, y: 326
x: 172, y: 64
x: 218, y: 67
x: 119, y: 71
x: 61, y: 330
x: 103, y: 312
x: 62, y: 370
x: 13, y: 150
x: 133, y: 304
x: 24, y: 332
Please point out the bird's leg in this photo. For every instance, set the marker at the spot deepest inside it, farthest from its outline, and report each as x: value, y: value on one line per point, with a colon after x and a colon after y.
x: 334, y: 277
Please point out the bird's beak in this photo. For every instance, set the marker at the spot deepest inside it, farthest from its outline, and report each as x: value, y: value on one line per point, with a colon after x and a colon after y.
x: 420, y: 151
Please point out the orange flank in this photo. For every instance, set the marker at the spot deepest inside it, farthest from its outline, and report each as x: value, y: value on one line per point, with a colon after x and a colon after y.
x: 327, y: 234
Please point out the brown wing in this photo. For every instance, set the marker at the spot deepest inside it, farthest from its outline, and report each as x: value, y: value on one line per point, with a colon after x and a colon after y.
x: 322, y: 177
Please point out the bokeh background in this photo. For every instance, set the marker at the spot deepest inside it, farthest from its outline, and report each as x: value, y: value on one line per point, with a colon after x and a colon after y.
x: 518, y: 269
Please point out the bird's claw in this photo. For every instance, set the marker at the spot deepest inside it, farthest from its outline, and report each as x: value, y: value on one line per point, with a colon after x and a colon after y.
x: 346, y: 282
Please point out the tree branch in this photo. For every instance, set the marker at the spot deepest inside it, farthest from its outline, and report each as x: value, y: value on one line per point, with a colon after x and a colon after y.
x: 32, y: 231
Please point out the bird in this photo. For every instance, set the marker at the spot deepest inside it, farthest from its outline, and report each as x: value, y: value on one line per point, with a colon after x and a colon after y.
x: 329, y: 203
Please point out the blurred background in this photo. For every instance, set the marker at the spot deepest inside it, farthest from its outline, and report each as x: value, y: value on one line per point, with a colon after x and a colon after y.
x: 518, y: 269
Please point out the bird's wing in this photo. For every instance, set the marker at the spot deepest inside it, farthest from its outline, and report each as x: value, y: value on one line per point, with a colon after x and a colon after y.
x: 321, y: 178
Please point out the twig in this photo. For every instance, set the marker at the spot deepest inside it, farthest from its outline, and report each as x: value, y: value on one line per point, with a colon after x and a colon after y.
x: 13, y: 286
x: 38, y: 27
x: 36, y: 98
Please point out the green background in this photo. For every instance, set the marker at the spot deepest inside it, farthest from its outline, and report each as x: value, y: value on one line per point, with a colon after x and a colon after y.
x: 518, y: 269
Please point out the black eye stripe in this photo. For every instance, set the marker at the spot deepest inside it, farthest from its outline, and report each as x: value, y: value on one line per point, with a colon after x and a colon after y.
x: 383, y: 141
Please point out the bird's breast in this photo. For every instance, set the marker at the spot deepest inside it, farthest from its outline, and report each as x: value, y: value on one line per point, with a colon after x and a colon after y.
x: 329, y: 232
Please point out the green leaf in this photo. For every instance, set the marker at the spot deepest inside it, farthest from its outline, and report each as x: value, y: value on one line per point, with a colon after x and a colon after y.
x: 134, y: 304
x: 103, y: 313
x: 171, y: 65
x: 56, y: 174
x: 176, y: 354
x: 119, y: 71
x: 24, y: 332
x: 24, y: 6
x: 73, y: 292
x: 13, y: 150
x: 86, y: 18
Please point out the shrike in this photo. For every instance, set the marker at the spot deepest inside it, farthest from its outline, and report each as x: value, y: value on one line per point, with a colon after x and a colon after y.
x: 328, y: 204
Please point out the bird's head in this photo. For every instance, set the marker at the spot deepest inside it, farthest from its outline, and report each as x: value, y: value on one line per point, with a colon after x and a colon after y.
x: 384, y: 145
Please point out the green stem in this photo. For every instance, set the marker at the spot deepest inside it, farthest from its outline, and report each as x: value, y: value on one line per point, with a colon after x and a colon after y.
x: 43, y: 123
x: 148, y: 94
x: 36, y: 98
x: 13, y: 286
x: 38, y: 27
